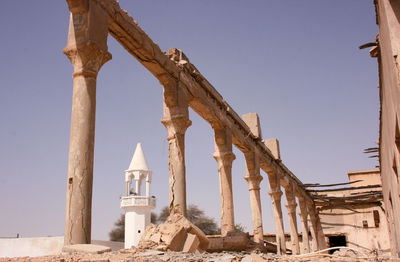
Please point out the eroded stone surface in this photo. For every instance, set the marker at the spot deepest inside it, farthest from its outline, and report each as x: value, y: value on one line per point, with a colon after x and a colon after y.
x: 224, y: 156
x: 191, y: 243
x: 87, y: 51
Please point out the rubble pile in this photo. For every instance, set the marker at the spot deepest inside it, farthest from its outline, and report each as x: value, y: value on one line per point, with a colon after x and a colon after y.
x: 175, y: 234
x: 135, y: 255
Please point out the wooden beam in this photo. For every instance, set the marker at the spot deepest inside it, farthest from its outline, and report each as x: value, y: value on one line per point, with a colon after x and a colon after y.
x: 344, y: 188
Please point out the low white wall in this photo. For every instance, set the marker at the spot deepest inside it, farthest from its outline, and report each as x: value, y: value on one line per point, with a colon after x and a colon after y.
x: 33, y: 247
x: 42, y: 246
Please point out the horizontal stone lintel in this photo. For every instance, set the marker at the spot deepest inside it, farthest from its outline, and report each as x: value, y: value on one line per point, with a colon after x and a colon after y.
x: 202, y: 94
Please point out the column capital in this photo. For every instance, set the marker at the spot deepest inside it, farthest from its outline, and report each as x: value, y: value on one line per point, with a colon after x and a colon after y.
x: 291, y: 207
x: 303, y: 210
x: 87, y: 37
x: 303, y: 217
x: 274, y: 181
x: 311, y: 207
x: 254, y: 181
x: 277, y: 193
x: 222, y: 139
x: 252, y: 166
x: 88, y: 59
x: 224, y: 158
x: 177, y: 124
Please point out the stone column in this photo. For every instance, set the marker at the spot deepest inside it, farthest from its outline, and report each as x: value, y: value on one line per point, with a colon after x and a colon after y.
x: 321, y: 235
x: 291, y: 207
x: 254, y: 178
x: 304, y: 222
x: 148, y: 181
x: 224, y: 156
x: 276, y: 193
x: 316, y: 243
x: 176, y: 120
x: 313, y: 230
x: 87, y: 51
x: 316, y: 224
x: 137, y: 187
x: 128, y: 185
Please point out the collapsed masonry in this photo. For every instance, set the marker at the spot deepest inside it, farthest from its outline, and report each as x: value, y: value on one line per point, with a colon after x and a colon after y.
x: 178, y: 234
x: 175, y: 234
x: 90, y: 23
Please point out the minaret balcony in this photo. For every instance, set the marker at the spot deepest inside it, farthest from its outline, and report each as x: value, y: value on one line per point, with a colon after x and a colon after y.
x: 138, y: 201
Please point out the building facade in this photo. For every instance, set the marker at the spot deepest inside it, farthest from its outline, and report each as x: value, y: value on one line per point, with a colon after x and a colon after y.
x: 353, y: 216
x: 387, y: 52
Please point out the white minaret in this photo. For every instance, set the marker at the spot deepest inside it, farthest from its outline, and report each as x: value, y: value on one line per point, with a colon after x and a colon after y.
x: 137, y: 206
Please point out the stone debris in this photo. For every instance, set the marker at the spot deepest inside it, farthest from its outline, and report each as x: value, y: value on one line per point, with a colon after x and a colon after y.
x: 191, y: 243
x: 136, y: 255
x: 236, y: 241
x: 176, y: 234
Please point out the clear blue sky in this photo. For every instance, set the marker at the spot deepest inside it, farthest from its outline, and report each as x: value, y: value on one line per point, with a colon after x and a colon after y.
x: 295, y: 63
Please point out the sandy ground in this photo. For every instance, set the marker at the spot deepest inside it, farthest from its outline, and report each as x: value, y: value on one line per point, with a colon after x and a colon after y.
x: 126, y: 255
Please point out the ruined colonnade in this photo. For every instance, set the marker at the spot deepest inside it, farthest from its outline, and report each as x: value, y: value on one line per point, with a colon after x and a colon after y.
x: 90, y: 23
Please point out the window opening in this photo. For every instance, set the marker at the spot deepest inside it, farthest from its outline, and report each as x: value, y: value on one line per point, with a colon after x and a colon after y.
x: 337, y: 241
x: 376, y: 218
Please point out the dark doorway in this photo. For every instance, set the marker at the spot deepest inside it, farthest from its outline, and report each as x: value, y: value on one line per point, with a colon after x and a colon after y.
x: 337, y: 241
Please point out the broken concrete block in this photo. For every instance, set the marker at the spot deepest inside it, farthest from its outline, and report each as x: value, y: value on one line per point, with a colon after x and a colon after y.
x: 173, y: 234
x: 190, y: 228
x: 156, y: 237
x: 150, y: 230
x: 86, y: 248
x: 273, y: 146
x: 191, y: 243
x: 253, y: 121
x: 236, y: 241
x: 176, y: 240
x: 216, y: 244
x: 233, y: 241
x: 167, y: 231
x: 161, y: 248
